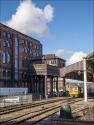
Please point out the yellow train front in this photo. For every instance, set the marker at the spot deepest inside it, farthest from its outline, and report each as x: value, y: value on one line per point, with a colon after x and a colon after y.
x: 74, y: 91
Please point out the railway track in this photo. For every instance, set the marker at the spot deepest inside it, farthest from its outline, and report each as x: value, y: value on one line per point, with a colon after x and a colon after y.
x: 13, y: 108
x: 38, y: 115
x: 77, y: 114
x: 2, y: 109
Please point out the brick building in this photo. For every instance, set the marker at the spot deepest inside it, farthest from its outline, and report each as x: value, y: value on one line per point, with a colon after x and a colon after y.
x: 55, y: 63
x: 22, y: 63
x: 16, y: 53
x: 50, y: 59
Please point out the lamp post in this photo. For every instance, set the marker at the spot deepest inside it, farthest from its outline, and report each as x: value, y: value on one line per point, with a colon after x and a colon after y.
x: 85, y: 75
x: 85, y: 79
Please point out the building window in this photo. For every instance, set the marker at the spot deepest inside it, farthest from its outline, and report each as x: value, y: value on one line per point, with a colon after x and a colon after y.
x: 31, y: 44
x: 34, y: 54
x: 26, y: 50
x: 22, y: 42
x: 30, y: 51
x: 4, y: 34
x: 40, y: 53
x: 4, y: 73
x: 35, y: 46
x: 6, y: 44
x: 55, y: 61
x: 25, y: 63
x: 49, y: 62
x: 37, y: 54
x: 9, y: 36
x: 0, y: 45
x: 6, y: 57
x: 52, y: 61
x: 9, y: 73
x: 26, y: 42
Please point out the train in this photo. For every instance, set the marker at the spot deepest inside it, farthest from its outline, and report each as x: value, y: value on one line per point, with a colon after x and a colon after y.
x: 77, y: 89
x: 74, y: 90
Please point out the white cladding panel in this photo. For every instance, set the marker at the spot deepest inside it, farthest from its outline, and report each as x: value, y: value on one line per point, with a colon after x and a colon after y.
x: 13, y: 91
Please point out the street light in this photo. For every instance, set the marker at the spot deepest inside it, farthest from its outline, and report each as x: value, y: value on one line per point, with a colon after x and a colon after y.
x: 85, y: 76
x: 85, y: 79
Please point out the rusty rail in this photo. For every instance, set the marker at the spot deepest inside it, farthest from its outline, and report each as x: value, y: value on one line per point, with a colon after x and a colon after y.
x: 25, y: 106
x: 31, y: 117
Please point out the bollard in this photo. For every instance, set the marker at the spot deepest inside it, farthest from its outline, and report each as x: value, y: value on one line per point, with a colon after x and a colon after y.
x: 40, y: 97
x: 65, y: 112
x: 31, y: 98
x: 46, y: 96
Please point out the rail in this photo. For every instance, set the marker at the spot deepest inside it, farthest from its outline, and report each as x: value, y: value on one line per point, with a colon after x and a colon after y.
x: 34, y: 117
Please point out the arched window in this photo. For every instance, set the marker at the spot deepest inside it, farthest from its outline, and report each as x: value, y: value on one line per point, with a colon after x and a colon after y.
x: 6, y: 57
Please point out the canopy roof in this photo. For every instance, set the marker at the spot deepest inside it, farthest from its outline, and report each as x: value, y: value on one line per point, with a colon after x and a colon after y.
x: 75, y: 71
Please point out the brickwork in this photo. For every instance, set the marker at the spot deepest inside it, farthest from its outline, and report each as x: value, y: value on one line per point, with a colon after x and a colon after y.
x: 16, y: 53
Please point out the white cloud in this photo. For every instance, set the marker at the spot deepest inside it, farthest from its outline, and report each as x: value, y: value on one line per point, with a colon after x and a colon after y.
x: 48, y: 13
x: 31, y: 19
x: 70, y: 56
x: 63, y: 53
x: 77, y: 56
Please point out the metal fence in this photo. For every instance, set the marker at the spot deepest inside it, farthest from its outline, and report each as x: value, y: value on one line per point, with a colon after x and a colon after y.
x: 14, y: 100
x: 19, y: 99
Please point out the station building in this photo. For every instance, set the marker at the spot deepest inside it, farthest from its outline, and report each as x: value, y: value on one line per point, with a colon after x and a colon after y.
x: 48, y: 66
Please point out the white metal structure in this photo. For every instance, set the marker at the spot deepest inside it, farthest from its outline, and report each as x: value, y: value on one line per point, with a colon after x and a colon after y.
x: 85, y: 79
x: 13, y: 91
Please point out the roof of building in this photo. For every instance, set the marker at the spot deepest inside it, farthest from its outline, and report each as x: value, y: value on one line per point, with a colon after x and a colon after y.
x: 13, y: 30
x: 48, y: 56
x: 45, y: 69
x: 52, y: 56
x: 91, y: 57
x: 78, y: 66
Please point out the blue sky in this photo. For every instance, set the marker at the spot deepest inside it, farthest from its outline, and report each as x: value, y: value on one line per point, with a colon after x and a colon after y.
x: 71, y: 28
